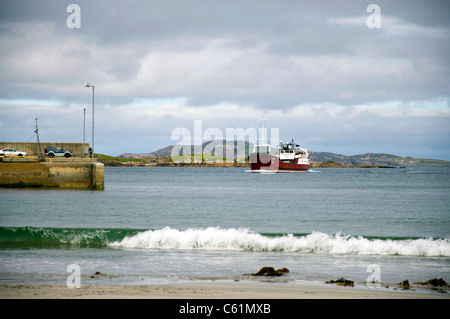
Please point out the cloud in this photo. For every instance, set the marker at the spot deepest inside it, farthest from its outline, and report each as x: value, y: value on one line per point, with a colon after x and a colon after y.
x: 394, y: 27
x: 416, y: 130
x: 314, y: 68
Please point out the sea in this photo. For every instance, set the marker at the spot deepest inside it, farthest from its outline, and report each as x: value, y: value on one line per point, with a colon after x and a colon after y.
x: 161, y: 225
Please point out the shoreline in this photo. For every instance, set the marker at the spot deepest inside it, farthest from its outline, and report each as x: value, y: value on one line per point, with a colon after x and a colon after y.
x: 212, y: 290
x: 166, y: 161
x: 244, y: 165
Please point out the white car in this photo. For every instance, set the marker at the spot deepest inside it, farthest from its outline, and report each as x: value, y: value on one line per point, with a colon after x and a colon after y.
x: 12, y: 152
x: 52, y: 151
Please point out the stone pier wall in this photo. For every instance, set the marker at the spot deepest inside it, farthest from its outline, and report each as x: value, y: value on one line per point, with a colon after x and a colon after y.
x: 68, y: 174
x: 33, y: 148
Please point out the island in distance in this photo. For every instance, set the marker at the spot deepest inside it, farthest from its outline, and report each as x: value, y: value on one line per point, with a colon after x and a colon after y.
x: 220, y: 149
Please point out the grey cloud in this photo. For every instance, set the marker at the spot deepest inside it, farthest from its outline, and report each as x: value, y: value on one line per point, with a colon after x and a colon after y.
x: 272, y: 55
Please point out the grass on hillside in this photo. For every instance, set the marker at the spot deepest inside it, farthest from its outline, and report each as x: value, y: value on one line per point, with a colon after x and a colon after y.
x: 103, y: 157
x: 204, y: 158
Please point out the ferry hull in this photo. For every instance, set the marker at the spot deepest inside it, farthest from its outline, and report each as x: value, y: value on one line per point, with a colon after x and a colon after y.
x: 266, y: 162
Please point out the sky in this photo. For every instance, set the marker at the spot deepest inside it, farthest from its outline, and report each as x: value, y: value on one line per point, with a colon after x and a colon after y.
x: 336, y: 76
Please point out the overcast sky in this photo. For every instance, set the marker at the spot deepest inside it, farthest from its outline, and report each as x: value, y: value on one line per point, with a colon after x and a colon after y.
x: 314, y: 69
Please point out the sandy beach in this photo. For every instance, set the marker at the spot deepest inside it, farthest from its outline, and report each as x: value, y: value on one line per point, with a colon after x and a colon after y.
x: 212, y: 290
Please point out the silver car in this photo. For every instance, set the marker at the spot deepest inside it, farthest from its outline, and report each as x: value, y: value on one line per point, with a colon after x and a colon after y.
x: 52, y: 151
x: 12, y: 152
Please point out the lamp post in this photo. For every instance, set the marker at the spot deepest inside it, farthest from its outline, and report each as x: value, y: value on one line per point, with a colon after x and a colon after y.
x: 84, y: 125
x: 84, y: 129
x: 87, y: 84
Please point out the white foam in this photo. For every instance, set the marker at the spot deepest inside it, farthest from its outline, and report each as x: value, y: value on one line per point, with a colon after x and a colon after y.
x: 214, y: 238
x: 272, y: 171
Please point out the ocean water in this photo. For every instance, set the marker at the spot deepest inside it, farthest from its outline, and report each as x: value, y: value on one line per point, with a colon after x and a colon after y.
x: 164, y: 224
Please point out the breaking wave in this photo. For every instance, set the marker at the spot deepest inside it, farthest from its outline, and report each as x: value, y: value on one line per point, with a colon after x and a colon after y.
x: 215, y: 238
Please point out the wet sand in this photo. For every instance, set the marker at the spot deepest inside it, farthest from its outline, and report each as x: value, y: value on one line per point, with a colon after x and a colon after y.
x: 212, y: 290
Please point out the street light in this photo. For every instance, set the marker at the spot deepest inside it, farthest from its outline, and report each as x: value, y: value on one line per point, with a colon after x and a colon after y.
x: 84, y: 130
x: 84, y: 125
x: 87, y: 84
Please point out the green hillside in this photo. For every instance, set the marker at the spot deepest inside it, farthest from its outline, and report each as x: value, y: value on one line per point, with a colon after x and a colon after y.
x: 218, y: 149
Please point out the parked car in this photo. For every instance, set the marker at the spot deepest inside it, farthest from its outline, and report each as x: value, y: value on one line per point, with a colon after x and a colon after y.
x: 12, y: 152
x: 52, y: 151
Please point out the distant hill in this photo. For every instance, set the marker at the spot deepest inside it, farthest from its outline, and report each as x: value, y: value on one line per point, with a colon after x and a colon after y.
x: 166, y: 151
x: 241, y: 150
x: 221, y: 148
x: 372, y: 159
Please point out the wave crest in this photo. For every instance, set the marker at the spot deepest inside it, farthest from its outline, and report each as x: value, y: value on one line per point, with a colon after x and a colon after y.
x: 214, y: 238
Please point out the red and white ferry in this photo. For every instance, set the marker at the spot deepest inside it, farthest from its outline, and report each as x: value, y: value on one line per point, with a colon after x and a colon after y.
x: 289, y: 157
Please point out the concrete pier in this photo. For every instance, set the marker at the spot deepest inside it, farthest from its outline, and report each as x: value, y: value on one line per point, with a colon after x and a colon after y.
x: 78, y: 149
x: 37, y: 170
x: 57, y: 173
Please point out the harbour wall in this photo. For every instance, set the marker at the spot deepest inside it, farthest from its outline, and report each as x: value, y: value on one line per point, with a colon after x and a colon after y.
x: 56, y: 173
x: 33, y: 149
